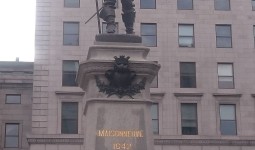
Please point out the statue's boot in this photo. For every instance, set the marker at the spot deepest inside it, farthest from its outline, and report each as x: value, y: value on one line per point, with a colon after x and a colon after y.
x: 108, y: 15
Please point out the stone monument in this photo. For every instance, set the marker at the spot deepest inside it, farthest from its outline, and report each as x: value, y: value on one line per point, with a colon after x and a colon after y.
x: 116, y: 78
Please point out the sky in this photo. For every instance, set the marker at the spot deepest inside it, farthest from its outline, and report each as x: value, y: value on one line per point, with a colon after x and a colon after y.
x: 17, y: 29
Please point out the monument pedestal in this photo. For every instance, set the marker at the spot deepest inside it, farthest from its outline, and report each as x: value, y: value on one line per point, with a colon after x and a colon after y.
x: 119, y: 121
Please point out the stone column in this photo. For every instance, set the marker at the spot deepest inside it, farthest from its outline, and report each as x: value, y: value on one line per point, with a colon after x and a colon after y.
x: 114, y: 122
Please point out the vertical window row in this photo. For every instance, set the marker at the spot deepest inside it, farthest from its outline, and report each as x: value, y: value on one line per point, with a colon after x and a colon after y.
x: 69, y: 118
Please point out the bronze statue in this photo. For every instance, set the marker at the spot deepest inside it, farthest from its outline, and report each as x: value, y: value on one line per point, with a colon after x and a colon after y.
x: 108, y: 15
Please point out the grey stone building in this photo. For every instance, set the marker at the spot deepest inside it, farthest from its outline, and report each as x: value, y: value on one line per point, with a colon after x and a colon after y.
x: 204, y: 92
x: 16, y: 83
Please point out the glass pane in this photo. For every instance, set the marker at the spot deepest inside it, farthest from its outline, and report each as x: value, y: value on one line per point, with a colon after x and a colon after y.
x: 70, y: 110
x: 189, y: 130
x: 189, y: 111
x: 13, y: 99
x: 150, y: 41
x: 70, y: 65
x: 188, y: 82
x: 71, y: 28
x: 148, y: 29
x: 69, y: 123
x: 226, y: 84
x: 69, y: 79
x: 186, y: 42
x: 254, y: 27
x: 222, y: 4
x: 187, y: 68
x: 227, y: 112
x: 189, y: 123
x: 223, y: 30
x: 72, y: 3
x: 224, y: 42
x: 225, y: 69
x: 71, y: 39
x: 228, y: 127
x: 11, y: 142
x: 185, y: 30
x: 184, y: 4
x: 12, y: 129
x: 69, y: 126
x: 155, y: 126
x: 148, y: 4
x: 154, y: 111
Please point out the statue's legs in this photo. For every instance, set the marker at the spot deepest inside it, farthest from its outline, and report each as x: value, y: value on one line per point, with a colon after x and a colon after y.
x: 108, y: 15
x: 128, y: 15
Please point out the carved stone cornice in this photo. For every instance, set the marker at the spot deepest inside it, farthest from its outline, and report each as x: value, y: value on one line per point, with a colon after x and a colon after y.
x: 205, y: 142
x: 65, y: 141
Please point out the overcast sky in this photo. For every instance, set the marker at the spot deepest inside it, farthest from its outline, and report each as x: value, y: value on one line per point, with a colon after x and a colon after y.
x: 17, y: 25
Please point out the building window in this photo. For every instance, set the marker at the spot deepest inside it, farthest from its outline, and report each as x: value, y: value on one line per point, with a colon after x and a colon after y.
x: 185, y: 4
x: 223, y: 36
x: 11, y: 135
x: 225, y: 76
x: 188, y: 75
x: 149, y: 34
x: 253, y: 4
x: 154, y: 114
x: 71, y: 33
x: 104, y: 28
x: 148, y: 4
x: 222, y: 4
x: 13, y: 99
x: 72, y: 3
x: 69, y: 118
x: 70, y: 68
x: 186, y: 35
x: 228, y: 119
x: 189, y: 118
x: 154, y: 83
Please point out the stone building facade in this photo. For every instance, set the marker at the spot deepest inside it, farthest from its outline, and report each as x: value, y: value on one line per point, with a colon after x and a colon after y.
x: 16, y: 84
x: 204, y: 93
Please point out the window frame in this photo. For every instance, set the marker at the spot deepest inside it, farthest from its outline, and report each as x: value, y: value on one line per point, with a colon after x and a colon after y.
x: 64, y: 34
x: 221, y: 120
x: 253, y: 5
x: 192, y: 37
x: 218, y: 36
x: 17, y: 136
x: 192, y: 6
x: 6, y: 95
x: 190, y: 75
x: 149, y: 35
x: 217, y: 9
x: 63, y: 73
x: 196, y: 119
x: 75, y: 119
x: 233, y: 77
x: 155, y: 5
